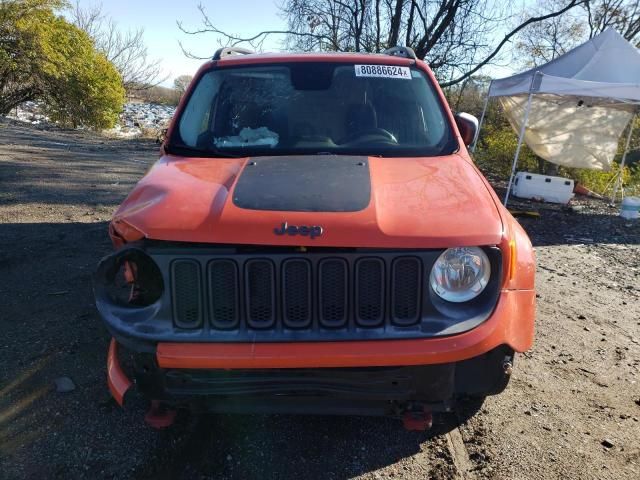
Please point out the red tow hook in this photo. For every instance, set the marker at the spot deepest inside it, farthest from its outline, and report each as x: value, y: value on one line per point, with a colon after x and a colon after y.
x: 417, y: 420
x: 159, y: 416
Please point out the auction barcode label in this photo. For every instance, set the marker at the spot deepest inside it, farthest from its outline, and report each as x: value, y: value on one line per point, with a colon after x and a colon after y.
x: 384, y: 71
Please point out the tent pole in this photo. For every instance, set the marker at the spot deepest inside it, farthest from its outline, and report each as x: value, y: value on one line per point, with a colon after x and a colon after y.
x: 484, y: 111
x: 520, y: 140
x: 622, y: 162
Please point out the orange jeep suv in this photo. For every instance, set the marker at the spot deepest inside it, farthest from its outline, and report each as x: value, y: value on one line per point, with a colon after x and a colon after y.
x: 315, y: 238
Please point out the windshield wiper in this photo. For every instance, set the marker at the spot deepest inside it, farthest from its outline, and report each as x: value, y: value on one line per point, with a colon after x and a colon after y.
x: 192, y: 151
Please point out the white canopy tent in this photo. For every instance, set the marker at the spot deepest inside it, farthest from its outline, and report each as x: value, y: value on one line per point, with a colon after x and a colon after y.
x: 573, y: 110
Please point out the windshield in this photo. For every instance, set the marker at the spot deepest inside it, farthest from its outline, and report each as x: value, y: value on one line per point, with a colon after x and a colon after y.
x: 305, y: 108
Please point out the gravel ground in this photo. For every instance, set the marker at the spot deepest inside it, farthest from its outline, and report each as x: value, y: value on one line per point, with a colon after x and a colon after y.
x: 572, y: 409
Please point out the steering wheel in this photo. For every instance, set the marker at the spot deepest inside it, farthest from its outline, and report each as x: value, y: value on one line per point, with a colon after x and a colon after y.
x: 357, y: 137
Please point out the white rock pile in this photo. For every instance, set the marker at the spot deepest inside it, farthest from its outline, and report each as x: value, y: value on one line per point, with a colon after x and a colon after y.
x: 135, y: 120
x: 29, y: 112
x: 142, y: 118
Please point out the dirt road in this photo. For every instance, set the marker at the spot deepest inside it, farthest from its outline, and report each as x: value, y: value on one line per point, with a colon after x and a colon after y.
x: 572, y: 409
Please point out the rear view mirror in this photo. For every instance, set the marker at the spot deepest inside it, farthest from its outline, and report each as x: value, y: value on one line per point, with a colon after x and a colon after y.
x: 468, y: 126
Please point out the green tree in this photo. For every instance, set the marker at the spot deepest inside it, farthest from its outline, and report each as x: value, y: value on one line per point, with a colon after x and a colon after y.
x: 90, y: 91
x: 44, y: 57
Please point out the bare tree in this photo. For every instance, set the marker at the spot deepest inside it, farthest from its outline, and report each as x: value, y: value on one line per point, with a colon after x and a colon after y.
x: 181, y: 83
x: 623, y: 15
x: 547, y: 40
x: 456, y: 37
x: 125, y: 49
x: 551, y: 38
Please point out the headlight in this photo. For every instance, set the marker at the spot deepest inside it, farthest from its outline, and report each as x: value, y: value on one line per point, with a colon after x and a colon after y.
x: 460, y: 274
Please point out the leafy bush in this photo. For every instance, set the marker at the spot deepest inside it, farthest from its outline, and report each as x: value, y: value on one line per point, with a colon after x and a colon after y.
x: 56, y: 62
x: 632, y: 187
x: 595, y: 180
x: 90, y: 91
x: 496, y: 151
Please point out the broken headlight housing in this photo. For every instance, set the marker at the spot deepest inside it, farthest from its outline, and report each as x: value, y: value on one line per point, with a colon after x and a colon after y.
x: 130, y: 278
x: 460, y: 274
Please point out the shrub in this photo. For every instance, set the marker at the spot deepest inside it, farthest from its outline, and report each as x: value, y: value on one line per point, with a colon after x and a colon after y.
x: 90, y: 93
x: 495, y: 154
x: 54, y: 61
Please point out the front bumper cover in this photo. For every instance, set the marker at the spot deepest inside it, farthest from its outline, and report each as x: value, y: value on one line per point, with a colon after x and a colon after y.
x: 510, y: 326
x: 347, y: 390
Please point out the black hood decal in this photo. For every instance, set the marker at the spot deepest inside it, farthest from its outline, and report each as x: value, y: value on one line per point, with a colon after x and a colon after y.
x: 309, y: 183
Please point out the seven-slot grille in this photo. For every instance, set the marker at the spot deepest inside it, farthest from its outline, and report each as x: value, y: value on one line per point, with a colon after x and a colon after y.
x: 297, y: 293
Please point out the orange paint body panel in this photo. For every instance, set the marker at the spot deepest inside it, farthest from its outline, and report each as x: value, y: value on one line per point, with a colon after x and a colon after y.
x: 118, y: 381
x: 498, y: 330
x: 415, y: 203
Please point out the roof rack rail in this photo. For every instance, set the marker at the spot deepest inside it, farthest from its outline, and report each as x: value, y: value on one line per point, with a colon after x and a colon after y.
x: 405, y: 52
x: 228, y: 51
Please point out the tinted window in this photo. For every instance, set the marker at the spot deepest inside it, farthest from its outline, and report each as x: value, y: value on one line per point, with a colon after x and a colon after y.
x: 313, y: 108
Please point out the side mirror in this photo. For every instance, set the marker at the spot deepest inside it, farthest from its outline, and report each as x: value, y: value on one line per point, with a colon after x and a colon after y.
x: 468, y: 126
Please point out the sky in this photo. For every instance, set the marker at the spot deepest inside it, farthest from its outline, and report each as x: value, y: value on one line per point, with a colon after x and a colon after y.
x: 161, y: 33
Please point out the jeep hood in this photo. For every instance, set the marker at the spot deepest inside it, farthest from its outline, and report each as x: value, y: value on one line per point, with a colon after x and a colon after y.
x: 429, y: 202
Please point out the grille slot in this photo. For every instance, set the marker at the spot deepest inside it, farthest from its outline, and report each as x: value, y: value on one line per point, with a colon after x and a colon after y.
x: 369, y: 292
x: 406, y: 290
x: 296, y: 293
x: 333, y: 292
x: 260, y: 293
x: 187, y: 293
x: 223, y: 294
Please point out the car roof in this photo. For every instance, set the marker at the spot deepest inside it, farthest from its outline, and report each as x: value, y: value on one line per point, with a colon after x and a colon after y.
x: 288, y: 57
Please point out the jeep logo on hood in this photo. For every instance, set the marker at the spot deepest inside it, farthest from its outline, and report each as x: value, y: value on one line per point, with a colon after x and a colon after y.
x: 304, y: 230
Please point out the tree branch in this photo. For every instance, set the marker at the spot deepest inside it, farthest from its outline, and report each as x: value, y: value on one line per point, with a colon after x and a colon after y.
x: 508, y: 37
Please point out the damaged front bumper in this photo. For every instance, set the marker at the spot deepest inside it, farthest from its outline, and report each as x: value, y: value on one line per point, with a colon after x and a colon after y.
x: 337, y: 391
